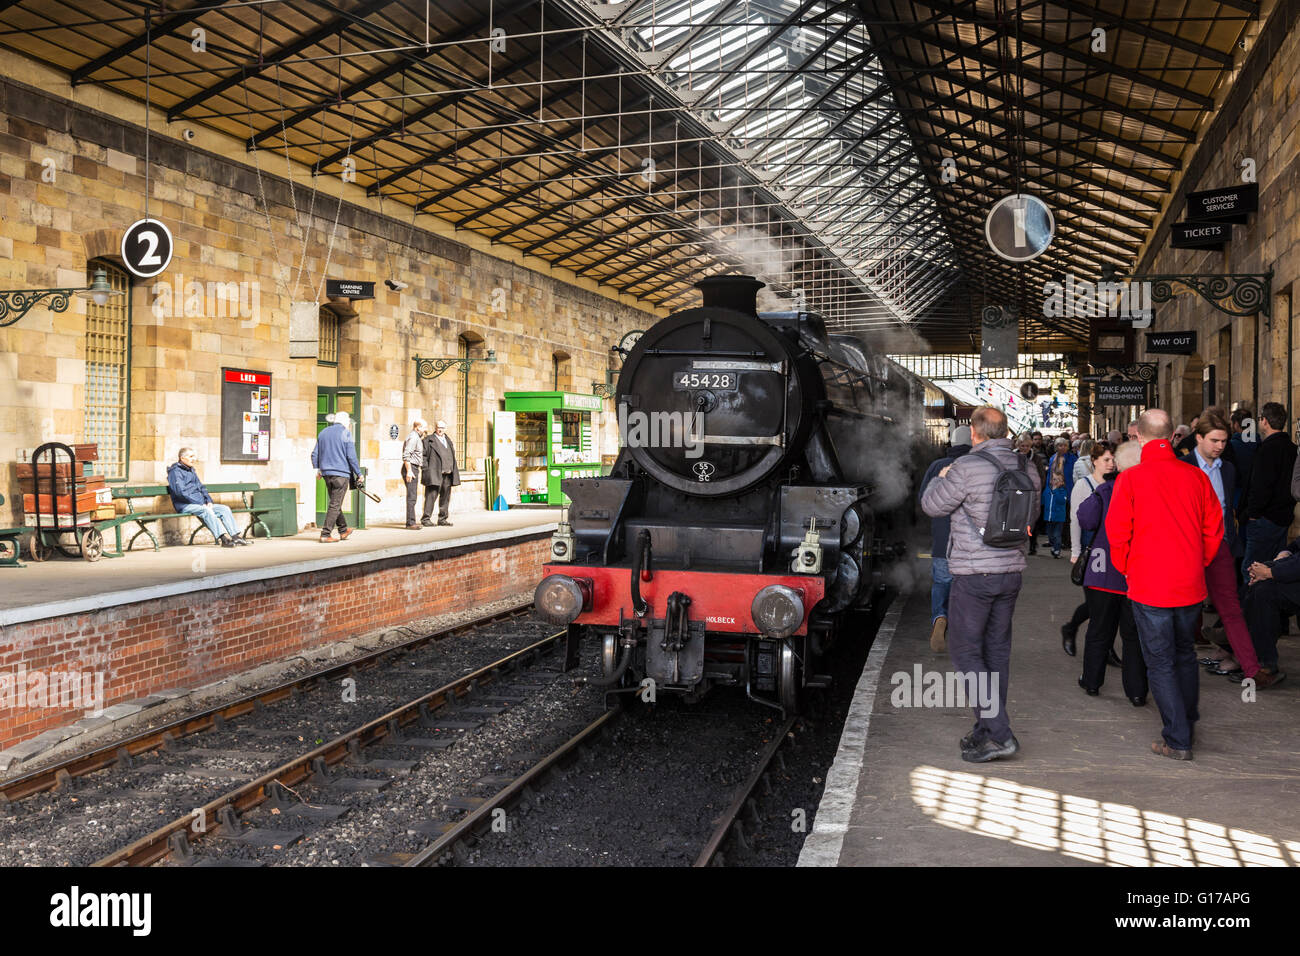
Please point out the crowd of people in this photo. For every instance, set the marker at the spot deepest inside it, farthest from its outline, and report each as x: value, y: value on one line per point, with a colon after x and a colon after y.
x: 1162, y: 525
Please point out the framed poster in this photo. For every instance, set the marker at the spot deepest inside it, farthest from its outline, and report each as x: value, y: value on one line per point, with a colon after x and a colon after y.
x: 245, y: 415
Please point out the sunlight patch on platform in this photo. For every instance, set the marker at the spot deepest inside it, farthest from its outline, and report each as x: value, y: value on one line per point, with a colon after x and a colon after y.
x: 1113, y: 834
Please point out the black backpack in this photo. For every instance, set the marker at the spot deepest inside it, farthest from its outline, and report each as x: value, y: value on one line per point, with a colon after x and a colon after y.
x: 1011, y: 506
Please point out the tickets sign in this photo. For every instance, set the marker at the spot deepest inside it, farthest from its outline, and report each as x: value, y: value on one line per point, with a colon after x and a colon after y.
x: 1199, y: 235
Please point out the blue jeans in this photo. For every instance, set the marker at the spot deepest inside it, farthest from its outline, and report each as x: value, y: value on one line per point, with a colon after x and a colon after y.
x: 942, y: 584
x: 1264, y: 540
x: 214, y: 516
x: 1168, y: 639
x: 1054, y: 535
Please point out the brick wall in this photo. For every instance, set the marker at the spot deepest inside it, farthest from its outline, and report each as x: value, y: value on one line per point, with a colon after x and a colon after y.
x: 193, y: 639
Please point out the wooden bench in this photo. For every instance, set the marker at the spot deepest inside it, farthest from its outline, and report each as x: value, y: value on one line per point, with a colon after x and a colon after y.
x: 9, y: 545
x: 131, y: 493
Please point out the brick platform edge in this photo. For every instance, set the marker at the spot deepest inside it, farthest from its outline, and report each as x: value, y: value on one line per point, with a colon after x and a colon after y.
x: 188, y: 640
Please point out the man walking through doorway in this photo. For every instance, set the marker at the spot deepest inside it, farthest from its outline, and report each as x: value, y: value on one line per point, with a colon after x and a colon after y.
x: 335, y: 461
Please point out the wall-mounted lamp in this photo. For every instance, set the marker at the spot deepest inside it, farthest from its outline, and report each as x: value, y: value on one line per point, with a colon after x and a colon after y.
x: 15, y: 303
x: 433, y: 367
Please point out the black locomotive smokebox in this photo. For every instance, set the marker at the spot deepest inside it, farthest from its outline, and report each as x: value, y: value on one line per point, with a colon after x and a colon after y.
x: 739, y: 293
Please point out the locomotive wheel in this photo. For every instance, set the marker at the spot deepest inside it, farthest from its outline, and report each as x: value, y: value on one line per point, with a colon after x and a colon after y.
x: 37, y: 549
x: 92, y: 544
x: 791, y: 677
x: 609, y: 656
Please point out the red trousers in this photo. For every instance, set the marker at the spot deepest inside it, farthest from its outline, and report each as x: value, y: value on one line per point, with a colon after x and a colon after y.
x: 1221, y: 582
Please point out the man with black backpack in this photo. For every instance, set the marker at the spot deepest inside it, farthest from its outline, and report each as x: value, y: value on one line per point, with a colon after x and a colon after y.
x: 992, y: 494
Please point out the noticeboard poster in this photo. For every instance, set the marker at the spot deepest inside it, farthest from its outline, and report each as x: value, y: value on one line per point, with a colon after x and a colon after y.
x: 245, y: 415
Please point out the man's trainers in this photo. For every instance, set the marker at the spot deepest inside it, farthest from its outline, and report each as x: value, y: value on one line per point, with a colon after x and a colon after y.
x: 968, y: 742
x: 938, y: 634
x: 990, y: 750
x: 1164, y: 750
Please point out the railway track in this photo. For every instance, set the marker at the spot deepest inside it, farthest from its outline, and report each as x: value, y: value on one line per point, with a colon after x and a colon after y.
x: 59, y: 775
x: 223, y: 817
x: 730, y: 826
x: 293, y: 813
x: 452, y: 845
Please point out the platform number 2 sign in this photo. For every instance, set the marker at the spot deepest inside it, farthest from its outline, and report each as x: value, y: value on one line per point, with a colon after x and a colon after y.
x: 146, y: 248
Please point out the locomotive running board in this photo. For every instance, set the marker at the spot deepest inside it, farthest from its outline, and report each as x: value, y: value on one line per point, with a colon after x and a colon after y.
x: 777, y: 440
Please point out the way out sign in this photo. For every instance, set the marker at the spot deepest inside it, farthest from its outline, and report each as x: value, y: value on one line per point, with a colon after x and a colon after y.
x: 146, y: 248
x: 1020, y: 227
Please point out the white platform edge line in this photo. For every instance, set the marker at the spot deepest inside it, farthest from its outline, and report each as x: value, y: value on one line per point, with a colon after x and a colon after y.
x: 823, y: 845
x: 99, y: 602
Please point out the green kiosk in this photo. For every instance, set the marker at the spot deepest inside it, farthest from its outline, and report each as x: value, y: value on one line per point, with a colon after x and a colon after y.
x: 553, y: 441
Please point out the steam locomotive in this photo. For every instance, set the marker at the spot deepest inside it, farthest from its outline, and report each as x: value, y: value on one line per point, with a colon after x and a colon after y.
x: 765, y: 471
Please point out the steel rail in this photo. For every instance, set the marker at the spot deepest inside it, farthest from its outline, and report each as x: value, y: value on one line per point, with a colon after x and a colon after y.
x: 60, y: 774
x: 155, y: 846
x: 481, y: 816
x: 731, y: 818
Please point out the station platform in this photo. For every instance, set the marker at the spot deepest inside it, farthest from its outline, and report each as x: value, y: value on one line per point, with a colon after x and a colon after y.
x: 63, y: 586
x: 1084, y: 789
x: 154, y: 624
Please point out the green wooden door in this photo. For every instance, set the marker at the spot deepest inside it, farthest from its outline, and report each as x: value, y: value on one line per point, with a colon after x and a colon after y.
x: 329, y: 401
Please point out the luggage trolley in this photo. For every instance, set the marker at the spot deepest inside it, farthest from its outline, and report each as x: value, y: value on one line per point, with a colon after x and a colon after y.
x: 53, y: 525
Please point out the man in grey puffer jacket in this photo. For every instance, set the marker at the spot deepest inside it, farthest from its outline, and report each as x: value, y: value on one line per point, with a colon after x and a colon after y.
x: 986, y: 580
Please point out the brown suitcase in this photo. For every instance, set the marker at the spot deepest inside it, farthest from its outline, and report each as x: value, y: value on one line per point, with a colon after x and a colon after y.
x: 85, y: 452
x: 86, y: 502
x: 64, y: 486
x: 62, y: 469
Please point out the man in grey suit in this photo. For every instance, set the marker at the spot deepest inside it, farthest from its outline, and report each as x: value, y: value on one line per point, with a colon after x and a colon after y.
x: 440, y: 473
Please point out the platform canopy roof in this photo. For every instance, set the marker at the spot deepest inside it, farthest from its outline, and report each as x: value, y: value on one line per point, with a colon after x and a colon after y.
x: 845, y: 152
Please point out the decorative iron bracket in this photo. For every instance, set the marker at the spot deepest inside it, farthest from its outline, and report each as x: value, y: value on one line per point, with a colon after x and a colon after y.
x: 426, y: 368
x: 1235, y: 294
x: 15, y: 303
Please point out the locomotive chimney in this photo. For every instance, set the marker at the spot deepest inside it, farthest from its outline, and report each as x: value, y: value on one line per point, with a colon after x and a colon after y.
x: 731, y: 292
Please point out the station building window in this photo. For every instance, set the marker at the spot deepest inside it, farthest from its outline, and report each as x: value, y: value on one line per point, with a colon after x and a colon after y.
x: 328, y: 350
x: 561, y: 372
x: 108, y: 373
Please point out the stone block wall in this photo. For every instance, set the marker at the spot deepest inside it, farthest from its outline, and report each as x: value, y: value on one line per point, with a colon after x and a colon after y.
x: 187, y: 324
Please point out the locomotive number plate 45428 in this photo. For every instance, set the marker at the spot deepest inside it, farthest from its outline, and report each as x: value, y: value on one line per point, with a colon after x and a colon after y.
x: 724, y: 380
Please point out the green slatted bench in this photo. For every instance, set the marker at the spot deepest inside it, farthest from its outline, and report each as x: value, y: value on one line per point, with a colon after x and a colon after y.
x: 131, y: 493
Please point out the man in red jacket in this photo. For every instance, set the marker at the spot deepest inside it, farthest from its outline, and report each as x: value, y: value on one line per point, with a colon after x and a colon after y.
x: 1164, y: 525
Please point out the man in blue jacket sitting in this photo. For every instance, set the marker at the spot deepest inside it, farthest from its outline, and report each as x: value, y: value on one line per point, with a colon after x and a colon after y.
x: 189, y: 497
x: 335, y: 461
